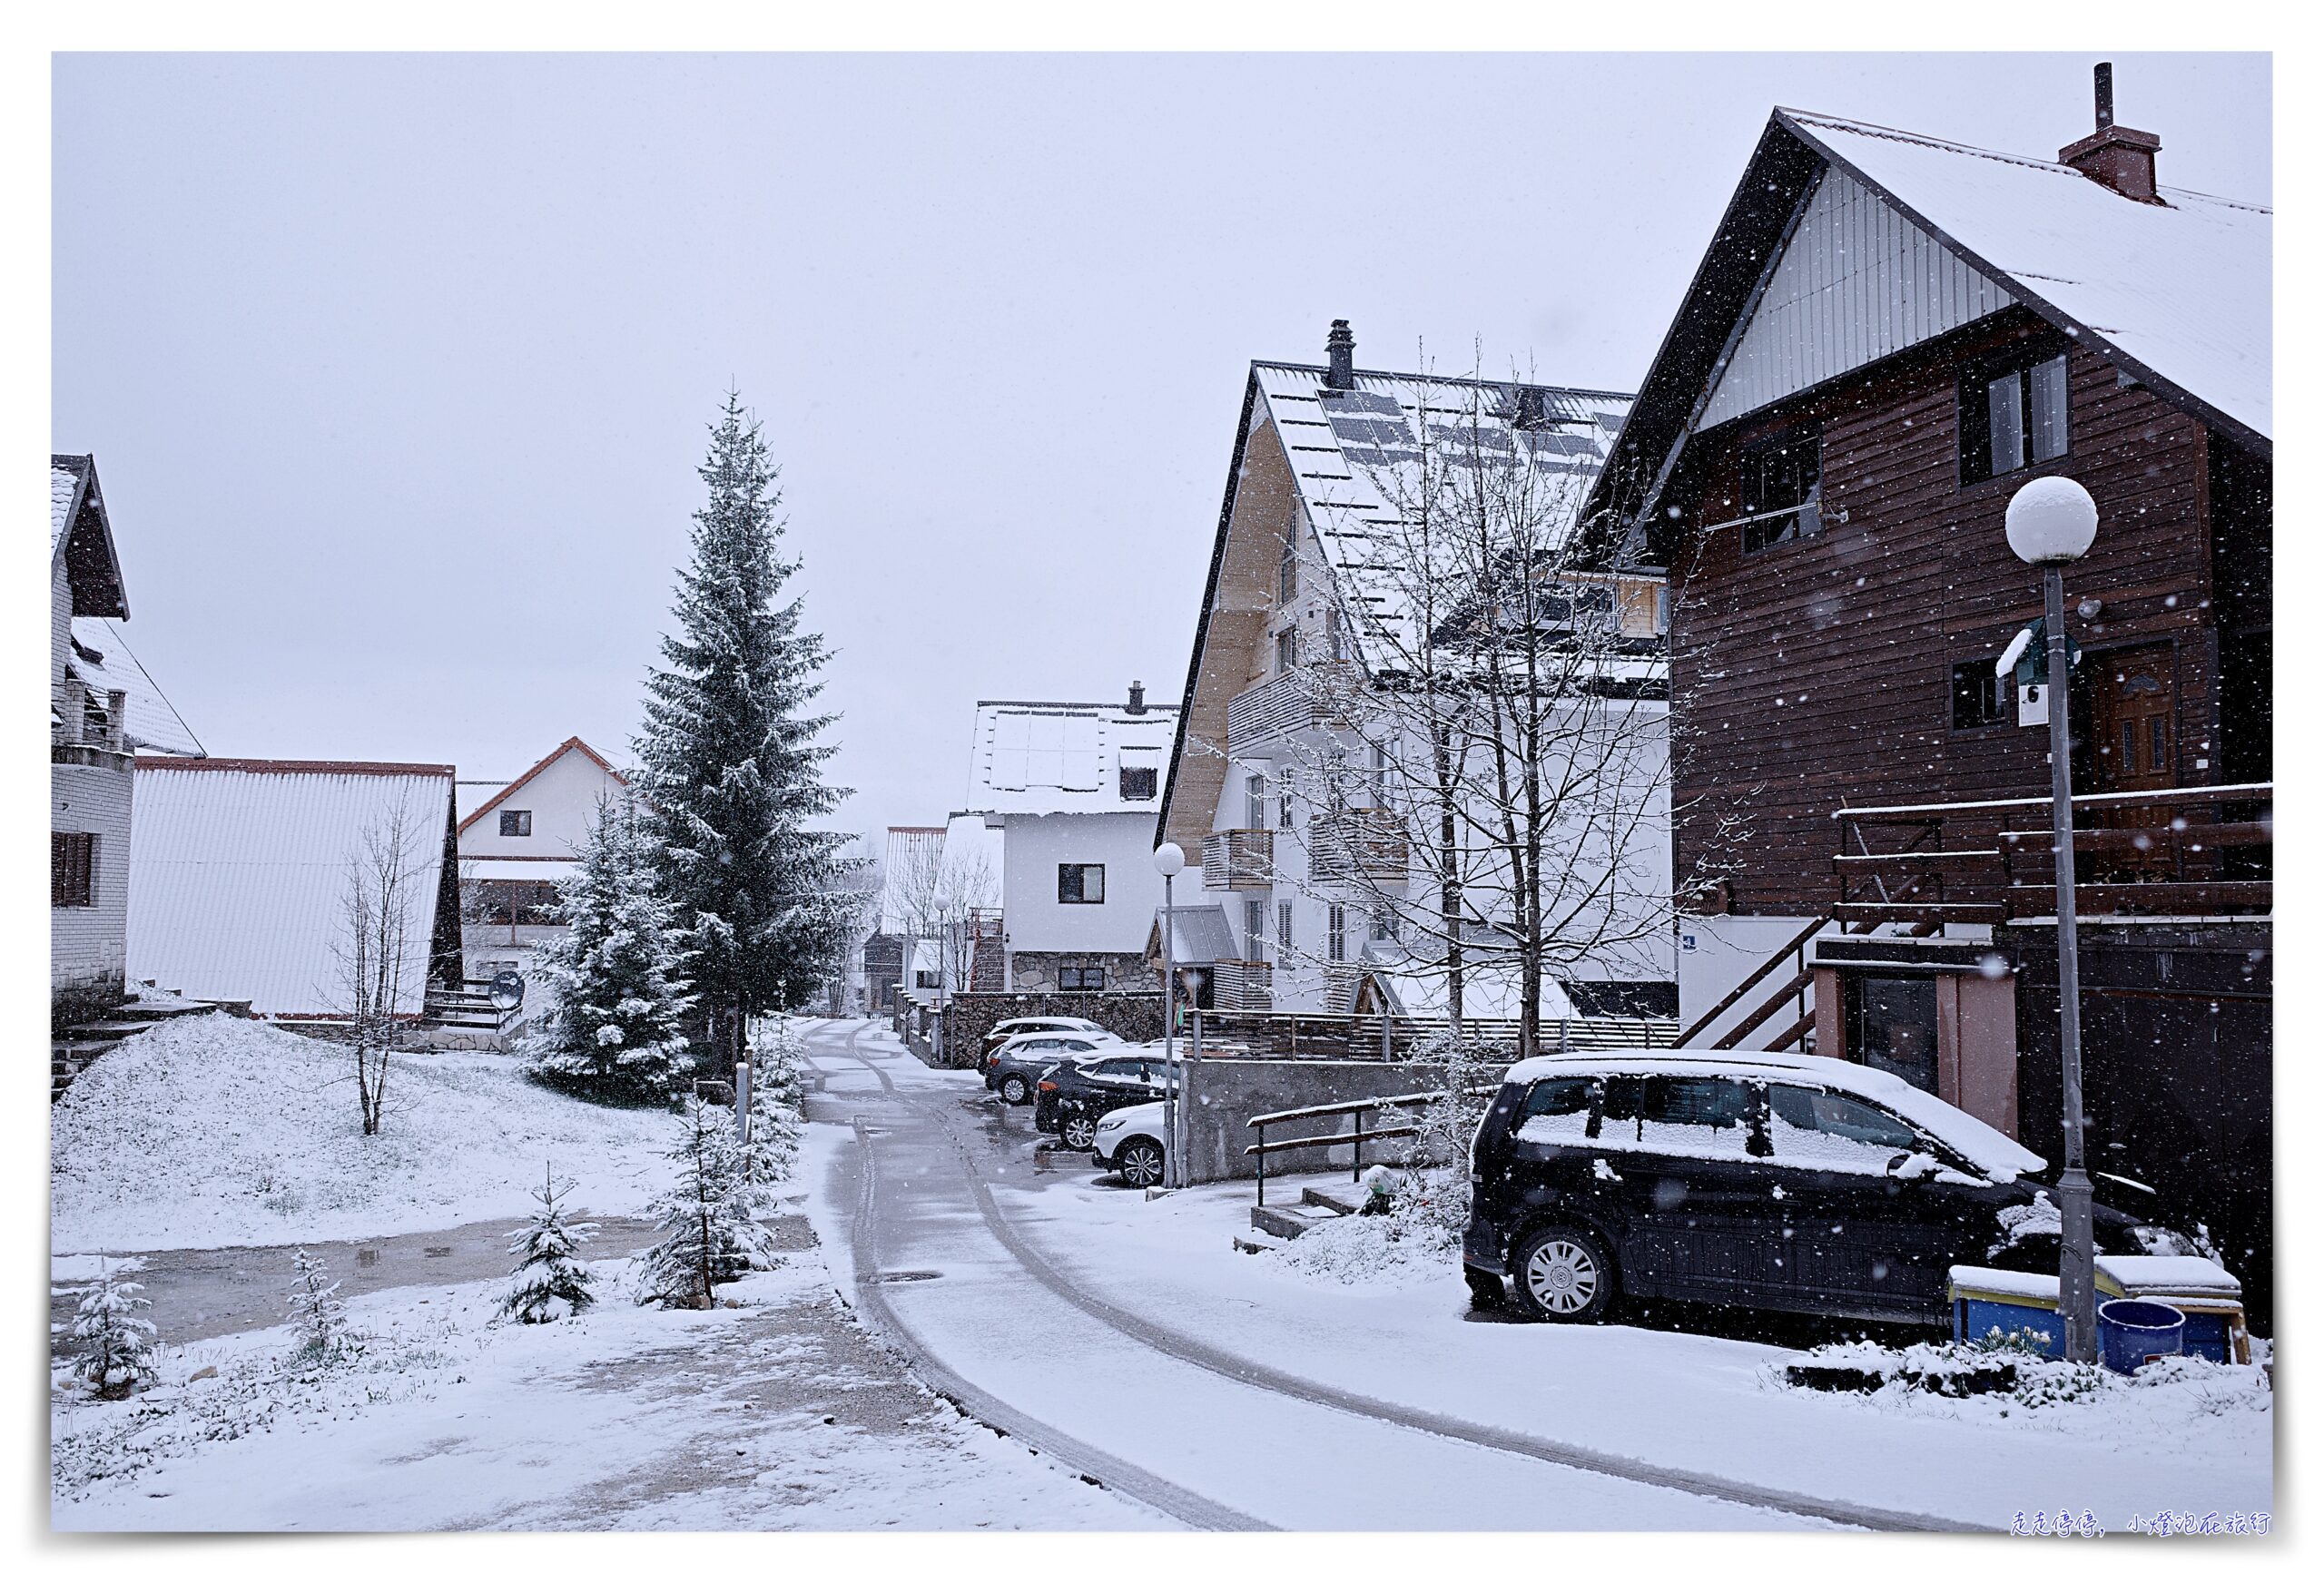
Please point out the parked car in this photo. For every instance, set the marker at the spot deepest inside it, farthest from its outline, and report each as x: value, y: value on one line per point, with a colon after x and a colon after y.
x: 1749, y: 1180
x: 1001, y: 1032
x: 1128, y: 1142
x: 1069, y: 1100
x: 1013, y: 1068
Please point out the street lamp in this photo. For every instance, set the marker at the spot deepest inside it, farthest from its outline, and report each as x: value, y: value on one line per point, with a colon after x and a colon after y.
x: 2051, y: 522
x: 1168, y: 859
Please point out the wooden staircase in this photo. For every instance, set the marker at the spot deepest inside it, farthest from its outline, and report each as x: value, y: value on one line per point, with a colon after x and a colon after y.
x: 1792, y: 953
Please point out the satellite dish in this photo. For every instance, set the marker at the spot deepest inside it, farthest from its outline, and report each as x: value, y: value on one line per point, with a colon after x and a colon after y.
x: 507, y: 990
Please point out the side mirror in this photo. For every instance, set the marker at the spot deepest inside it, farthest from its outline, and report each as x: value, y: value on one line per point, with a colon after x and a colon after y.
x: 1913, y: 1167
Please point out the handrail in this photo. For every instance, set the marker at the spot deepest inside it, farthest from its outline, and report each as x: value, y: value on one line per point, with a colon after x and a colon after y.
x: 1761, y: 971
x: 1354, y: 1138
x: 2093, y: 798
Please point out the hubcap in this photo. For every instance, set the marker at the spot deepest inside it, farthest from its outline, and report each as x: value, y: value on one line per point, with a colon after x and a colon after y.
x: 1563, y: 1276
x: 1080, y: 1133
x: 1142, y: 1166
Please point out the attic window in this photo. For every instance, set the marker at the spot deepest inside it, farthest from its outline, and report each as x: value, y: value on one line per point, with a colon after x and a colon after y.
x: 2013, y: 413
x: 1139, y: 783
x: 1778, y: 476
x: 516, y: 822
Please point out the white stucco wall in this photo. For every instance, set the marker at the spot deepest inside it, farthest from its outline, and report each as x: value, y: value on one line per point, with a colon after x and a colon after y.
x: 1033, y: 847
x: 563, y: 800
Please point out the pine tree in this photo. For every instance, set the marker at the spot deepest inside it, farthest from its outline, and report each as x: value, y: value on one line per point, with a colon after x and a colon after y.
x: 550, y: 1282
x: 615, y: 1028
x: 317, y: 1314
x: 121, y: 1346
x: 778, y: 1109
x: 707, y: 1216
x: 730, y: 764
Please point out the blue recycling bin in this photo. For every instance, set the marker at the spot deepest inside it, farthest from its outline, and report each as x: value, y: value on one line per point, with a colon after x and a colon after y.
x: 2132, y: 1331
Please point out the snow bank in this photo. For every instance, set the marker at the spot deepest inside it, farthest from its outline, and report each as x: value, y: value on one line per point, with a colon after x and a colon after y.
x: 218, y: 1132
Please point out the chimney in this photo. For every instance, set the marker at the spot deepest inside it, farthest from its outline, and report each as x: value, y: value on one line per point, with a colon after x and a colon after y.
x: 2113, y: 156
x: 1137, y: 699
x: 1339, y: 350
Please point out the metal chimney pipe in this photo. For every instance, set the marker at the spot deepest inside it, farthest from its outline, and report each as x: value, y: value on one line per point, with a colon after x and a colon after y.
x: 2102, y: 80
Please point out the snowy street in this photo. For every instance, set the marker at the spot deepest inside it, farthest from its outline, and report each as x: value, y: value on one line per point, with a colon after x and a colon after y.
x: 1233, y: 1392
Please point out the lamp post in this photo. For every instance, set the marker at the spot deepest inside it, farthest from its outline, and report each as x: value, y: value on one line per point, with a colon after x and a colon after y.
x: 2050, y: 523
x: 1168, y: 859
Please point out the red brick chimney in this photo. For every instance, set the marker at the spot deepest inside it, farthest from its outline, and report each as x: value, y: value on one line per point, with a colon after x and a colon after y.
x: 2114, y: 156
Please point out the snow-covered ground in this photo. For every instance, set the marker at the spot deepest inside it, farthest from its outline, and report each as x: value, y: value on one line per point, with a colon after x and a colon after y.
x: 2191, y: 1436
x: 216, y: 1132
x: 776, y: 1413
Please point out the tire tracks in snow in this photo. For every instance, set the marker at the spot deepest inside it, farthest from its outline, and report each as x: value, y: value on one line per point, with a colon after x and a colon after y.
x: 1243, y: 1371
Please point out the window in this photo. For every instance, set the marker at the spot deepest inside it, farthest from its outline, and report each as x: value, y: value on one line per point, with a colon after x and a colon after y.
x: 1139, y: 782
x: 1693, y: 1116
x: 1336, y: 932
x: 2012, y: 415
x: 1778, y: 476
x: 1286, y: 651
x: 1287, y: 576
x: 1282, y: 928
x: 1833, y: 1132
x: 1557, y: 1111
x: 1254, y: 803
x: 1081, y: 974
x: 1282, y: 802
x: 516, y: 822
x: 1255, y: 928
x: 72, y: 869
x: 1979, y: 697
x: 1892, y: 1025
x: 1661, y: 608
x: 927, y: 979
x: 1081, y: 883
x: 1384, y: 922
x: 1335, y: 637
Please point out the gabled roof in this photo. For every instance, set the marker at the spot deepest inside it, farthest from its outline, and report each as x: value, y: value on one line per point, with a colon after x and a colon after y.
x: 238, y: 875
x: 2178, y: 294
x: 81, y: 533
x: 1064, y: 758
x: 102, y: 660
x: 569, y: 745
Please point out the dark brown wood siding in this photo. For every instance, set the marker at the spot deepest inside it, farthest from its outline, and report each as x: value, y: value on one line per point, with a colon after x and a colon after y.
x: 1816, y: 673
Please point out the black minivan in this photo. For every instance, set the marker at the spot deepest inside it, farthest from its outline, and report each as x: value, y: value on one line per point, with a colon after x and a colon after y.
x: 1753, y: 1181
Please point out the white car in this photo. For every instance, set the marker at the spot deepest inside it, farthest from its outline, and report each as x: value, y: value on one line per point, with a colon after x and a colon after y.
x: 1129, y: 1142
x: 1001, y: 1032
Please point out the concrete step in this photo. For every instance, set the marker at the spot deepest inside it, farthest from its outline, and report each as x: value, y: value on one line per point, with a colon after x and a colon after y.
x: 110, y: 1030
x: 1341, y: 1199
x: 1286, y: 1221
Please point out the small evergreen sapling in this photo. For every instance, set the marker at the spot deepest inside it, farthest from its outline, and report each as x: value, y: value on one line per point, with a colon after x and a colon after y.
x: 778, y: 1109
x: 707, y: 1216
x: 317, y: 1313
x: 550, y: 1282
x: 121, y: 1346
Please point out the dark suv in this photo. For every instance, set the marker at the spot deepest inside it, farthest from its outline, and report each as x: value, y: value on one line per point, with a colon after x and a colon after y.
x: 1752, y: 1181
x: 1071, y: 1100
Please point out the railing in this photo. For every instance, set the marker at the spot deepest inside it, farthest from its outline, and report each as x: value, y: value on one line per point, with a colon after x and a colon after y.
x: 85, y: 719
x: 470, y: 1006
x: 1355, y: 1138
x: 2189, y: 851
x: 1367, y: 843
x: 1375, y: 1036
x: 1274, y: 708
x: 1239, y: 859
x: 1242, y: 986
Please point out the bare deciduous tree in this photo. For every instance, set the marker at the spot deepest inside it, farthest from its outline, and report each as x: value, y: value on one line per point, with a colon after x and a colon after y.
x: 380, y: 952
x: 939, y: 892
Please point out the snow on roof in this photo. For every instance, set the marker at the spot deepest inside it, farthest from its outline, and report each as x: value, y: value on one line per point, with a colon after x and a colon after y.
x: 101, y: 658
x: 1068, y: 758
x: 1355, y: 455
x: 2183, y: 287
x: 239, y: 869
x: 64, y: 489
x: 1990, y: 1151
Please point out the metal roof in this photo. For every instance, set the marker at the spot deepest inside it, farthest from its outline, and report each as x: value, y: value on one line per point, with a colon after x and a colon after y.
x: 239, y: 872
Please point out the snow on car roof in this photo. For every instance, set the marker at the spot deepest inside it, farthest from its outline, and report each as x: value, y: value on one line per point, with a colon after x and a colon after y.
x: 1991, y: 1150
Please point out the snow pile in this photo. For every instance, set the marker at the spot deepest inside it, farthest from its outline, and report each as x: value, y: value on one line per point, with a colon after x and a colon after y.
x: 2180, y: 1401
x: 218, y: 1132
x: 1383, y: 1249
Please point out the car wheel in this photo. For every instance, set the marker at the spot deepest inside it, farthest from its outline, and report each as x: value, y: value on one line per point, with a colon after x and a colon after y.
x: 1139, y: 1161
x: 1562, y: 1273
x: 1015, y: 1090
x: 1079, y: 1132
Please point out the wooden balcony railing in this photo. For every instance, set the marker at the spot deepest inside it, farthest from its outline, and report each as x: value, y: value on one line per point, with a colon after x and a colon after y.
x: 1239, y: 859
x: 1359, y: 843
x: 1273, y: 709
x: 2201, y: 852
x: 1242, y: 986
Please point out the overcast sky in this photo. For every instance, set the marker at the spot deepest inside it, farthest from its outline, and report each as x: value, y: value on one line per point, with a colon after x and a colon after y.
x: 397, y: 368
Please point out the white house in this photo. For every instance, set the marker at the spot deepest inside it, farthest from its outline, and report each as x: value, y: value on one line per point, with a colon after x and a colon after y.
x: 1073, y: 789
x: 1293, y: 779
x: 516, y: 839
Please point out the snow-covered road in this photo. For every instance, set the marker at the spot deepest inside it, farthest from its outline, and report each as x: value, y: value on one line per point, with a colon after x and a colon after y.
x: 1211, y: 1439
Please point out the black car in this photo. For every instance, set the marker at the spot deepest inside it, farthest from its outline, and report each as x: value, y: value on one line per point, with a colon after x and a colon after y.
x: 1069, y: 1100
x: 1753, y: 1181
x: 1016, y: 1067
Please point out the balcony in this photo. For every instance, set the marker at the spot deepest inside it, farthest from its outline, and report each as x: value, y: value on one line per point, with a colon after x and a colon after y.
x: 83, y: 723
x: 1360, y: 843
x: 1239, y: 859
x: 2203, y: 852
x: 1272, y: 710
x: 1242, y: 986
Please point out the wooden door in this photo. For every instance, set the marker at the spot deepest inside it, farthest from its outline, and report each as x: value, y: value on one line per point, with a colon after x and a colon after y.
x: 2134, y: 734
